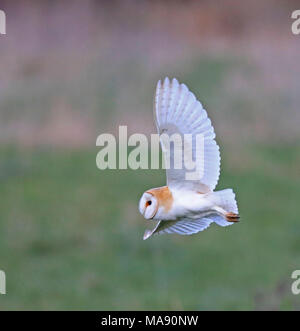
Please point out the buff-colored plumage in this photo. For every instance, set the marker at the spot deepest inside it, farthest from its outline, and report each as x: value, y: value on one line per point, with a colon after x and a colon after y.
x: 187, y: 206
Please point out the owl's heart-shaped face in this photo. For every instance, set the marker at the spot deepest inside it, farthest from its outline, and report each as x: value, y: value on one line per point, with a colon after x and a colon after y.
x: 148, y: 205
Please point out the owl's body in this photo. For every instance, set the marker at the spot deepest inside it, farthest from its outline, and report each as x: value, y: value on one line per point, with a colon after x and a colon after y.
x: 175, y: 206
x: 187, y: 206
x: 183, y: 204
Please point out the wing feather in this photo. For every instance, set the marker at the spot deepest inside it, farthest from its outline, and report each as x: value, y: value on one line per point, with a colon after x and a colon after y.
x: 182, y: 227
x: 186, y: 226
x: 178, y: 111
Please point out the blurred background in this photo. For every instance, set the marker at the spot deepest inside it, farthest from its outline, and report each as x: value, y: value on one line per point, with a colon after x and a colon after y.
x: 70, y: 234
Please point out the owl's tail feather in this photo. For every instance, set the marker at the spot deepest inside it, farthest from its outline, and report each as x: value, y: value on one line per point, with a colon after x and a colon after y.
x: 226, y: 203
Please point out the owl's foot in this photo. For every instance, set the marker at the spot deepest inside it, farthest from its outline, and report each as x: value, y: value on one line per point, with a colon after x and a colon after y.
x: 232, y: 217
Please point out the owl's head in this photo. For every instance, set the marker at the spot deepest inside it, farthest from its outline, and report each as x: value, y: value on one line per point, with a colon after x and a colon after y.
x: 148, y: 205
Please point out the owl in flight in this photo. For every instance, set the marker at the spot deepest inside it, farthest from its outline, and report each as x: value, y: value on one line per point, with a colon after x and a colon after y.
x: 187, y: 206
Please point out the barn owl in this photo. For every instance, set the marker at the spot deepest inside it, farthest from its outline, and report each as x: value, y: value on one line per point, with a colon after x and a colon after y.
x: 187, y: 206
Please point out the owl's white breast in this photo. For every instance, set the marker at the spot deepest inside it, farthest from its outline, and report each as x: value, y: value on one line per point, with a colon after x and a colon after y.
x: 186, y: 204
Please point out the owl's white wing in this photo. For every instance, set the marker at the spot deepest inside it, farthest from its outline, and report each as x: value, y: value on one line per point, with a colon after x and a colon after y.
x: 183, y: 227
x: 177, y: 111
x: 186, y: 226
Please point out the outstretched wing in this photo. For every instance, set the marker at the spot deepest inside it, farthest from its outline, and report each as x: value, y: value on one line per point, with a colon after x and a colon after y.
x: 177, y: 111
x: 186, y: 226
x: 183, y: 227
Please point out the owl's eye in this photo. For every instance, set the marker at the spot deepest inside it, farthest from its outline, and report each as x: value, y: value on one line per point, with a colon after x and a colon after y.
x: 148, y: 205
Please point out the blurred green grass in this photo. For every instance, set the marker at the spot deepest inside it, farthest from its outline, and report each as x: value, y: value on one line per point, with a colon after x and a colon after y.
x: 71, y: 237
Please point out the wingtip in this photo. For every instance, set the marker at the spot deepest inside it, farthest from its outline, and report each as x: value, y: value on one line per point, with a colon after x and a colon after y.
x: 158, y: 87
x: 166, y: 81
x: 147, y: 234
x: 184, y: 87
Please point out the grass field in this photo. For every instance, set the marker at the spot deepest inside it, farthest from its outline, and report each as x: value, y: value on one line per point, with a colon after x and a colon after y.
x: 71, y: 237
